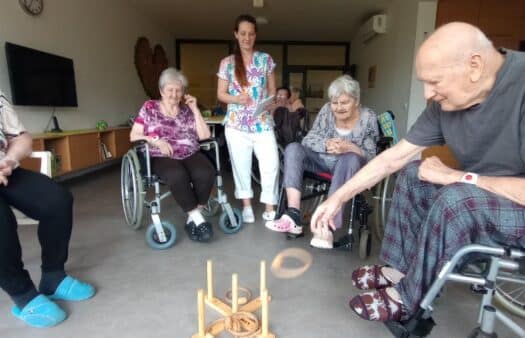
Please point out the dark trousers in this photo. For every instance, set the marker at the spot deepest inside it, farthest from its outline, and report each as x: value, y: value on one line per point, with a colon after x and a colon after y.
x: 190, y: 180
x: 42, y: 199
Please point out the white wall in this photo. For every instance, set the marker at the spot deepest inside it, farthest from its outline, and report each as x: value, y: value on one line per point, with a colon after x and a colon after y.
x: 100, y: 36
x: 392, y: 53
x: 426, y: 23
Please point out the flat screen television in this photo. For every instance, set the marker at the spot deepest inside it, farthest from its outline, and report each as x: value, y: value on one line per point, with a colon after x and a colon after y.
x: 40, y: 79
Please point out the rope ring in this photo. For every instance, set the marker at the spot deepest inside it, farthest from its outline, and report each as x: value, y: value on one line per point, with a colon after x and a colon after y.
x: 301, y: 255
x: 240, y: 321
x: 244, y: 299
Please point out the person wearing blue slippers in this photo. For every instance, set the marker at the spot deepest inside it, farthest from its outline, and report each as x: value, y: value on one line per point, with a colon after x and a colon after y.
x: 18, y: 188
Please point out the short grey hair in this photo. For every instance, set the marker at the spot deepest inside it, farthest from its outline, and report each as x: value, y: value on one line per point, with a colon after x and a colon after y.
x: 344, y: 85
x: 172, y: 75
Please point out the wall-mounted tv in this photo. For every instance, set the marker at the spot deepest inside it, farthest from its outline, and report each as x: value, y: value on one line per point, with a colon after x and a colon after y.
x: 40, y: 79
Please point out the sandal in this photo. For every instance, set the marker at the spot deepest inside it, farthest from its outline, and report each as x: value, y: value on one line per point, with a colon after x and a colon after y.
x: 284, y: 224
x: 378, y: 306
x: 370, y: 277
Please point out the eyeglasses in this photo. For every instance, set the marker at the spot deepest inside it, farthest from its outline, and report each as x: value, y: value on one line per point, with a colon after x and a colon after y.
x: 341, y: 103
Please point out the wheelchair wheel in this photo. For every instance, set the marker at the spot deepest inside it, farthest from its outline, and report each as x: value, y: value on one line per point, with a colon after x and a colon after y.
x: 365, y: 244
x: 132, y: 190
x: 153, y: 240
x: 510, y: 294
x: 385, y: 190
x: 226, y: 225
x: 211, y: 208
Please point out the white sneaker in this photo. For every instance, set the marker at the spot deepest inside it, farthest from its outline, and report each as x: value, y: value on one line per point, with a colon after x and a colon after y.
x: 247, y: 215
x: 323, y: 239
x: 268, y: 215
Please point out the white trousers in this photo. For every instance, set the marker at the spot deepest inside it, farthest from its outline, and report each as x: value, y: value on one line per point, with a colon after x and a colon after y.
x: 242, y: 146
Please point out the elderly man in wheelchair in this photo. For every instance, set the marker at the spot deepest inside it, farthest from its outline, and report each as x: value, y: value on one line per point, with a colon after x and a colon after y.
x: 477, y: 109
x: 341, y: 141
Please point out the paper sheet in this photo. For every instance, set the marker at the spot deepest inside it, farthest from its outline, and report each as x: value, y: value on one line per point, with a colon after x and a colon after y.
x: 262, y: 104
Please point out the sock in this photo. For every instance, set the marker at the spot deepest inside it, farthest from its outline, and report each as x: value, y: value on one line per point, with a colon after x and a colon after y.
x: 50, y: 281
x: 295, y: 215
x: 24, y: 298
x: 196, y: 217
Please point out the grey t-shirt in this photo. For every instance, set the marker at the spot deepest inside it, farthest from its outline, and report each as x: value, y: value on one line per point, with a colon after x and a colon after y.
x: 488, y: 138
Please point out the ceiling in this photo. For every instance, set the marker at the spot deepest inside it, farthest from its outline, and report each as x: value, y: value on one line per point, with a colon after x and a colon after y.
x: 308, y: 20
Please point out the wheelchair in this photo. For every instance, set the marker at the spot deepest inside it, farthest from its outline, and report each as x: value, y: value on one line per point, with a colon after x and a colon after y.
x: 315, y: 190
x: 498, y: 273
x: 136, y: 178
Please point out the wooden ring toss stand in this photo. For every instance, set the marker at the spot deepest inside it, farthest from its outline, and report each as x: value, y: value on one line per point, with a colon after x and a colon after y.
x: 239, y: 321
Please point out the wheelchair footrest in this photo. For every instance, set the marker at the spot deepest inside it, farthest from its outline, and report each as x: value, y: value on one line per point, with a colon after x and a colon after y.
x: 415, y: 327
x: 344, y: 243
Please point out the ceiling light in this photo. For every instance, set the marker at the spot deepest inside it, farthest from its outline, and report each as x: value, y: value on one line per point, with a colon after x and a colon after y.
x: 258, y: 3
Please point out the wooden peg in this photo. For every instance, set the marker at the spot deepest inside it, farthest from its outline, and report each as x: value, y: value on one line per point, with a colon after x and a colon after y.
x: 235, y: 293
x: 262, y: 274
x: 209, y: 279
x: 200, y: 308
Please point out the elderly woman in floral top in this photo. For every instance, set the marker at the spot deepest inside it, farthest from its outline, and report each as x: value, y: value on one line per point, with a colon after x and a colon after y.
x: 245, y: 79
x: 341, y: 141
x: 173, y: 127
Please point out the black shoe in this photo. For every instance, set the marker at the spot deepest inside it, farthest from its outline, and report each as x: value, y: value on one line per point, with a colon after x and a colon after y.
x: 205, y: 232
x: 192, y: 231
x: 291, y: 236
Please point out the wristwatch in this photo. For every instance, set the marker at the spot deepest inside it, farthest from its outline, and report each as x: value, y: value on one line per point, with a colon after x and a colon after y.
x: 470, y: 178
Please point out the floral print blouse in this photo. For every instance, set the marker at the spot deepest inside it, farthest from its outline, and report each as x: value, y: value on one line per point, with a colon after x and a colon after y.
x: 179, y: 131
x: 239, y: 116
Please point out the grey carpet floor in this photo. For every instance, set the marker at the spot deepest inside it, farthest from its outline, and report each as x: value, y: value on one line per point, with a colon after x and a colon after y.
x: 146, y: 293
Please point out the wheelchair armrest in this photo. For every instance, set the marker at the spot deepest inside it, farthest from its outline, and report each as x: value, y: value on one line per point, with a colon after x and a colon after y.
x: 209, y: 143
x: 141, y: 145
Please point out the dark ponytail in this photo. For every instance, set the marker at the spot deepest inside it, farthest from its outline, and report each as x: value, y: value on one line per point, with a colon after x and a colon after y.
x: 240, y: 71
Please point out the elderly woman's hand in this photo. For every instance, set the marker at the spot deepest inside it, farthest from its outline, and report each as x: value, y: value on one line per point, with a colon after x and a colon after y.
x: 164, y: 147
x: 191, y: 101
x: 339, y: 146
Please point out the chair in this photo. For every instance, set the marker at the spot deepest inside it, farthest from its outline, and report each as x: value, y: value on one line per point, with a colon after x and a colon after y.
x: 45, y: 168
x: 136, y: 178
x: 497, y: 273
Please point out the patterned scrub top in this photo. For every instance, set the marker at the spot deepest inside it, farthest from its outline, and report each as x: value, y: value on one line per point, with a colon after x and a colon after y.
x: 179, y: 131
x: 242, y: 117
x: 10, y: 125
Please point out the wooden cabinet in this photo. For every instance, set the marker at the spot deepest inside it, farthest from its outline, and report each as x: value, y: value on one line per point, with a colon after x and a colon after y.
x: 78, y: 151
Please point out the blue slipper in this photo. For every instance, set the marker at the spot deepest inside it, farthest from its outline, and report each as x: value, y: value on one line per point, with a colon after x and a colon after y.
x: 72, y: 289
x: 40, y: 312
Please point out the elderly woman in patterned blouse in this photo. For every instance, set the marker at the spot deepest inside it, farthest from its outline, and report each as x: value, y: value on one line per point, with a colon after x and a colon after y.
x: 173, y: 126
x: 341, y: 141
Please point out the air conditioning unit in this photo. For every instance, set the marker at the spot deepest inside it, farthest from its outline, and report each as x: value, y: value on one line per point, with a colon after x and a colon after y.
x: 375, y: 25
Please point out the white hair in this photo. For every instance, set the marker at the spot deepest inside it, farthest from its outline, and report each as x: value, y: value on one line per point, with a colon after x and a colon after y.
x: 172, y: 75
x: 344, y: 85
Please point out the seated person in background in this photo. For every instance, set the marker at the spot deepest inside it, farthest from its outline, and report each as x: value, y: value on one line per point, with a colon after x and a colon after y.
x: 477, y: 109
x: 287, y: 120
x: 295, y: 99
x: 282, y: 95
x: 54, y: 211
x: 173, y: 126
x: 341, y: 141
